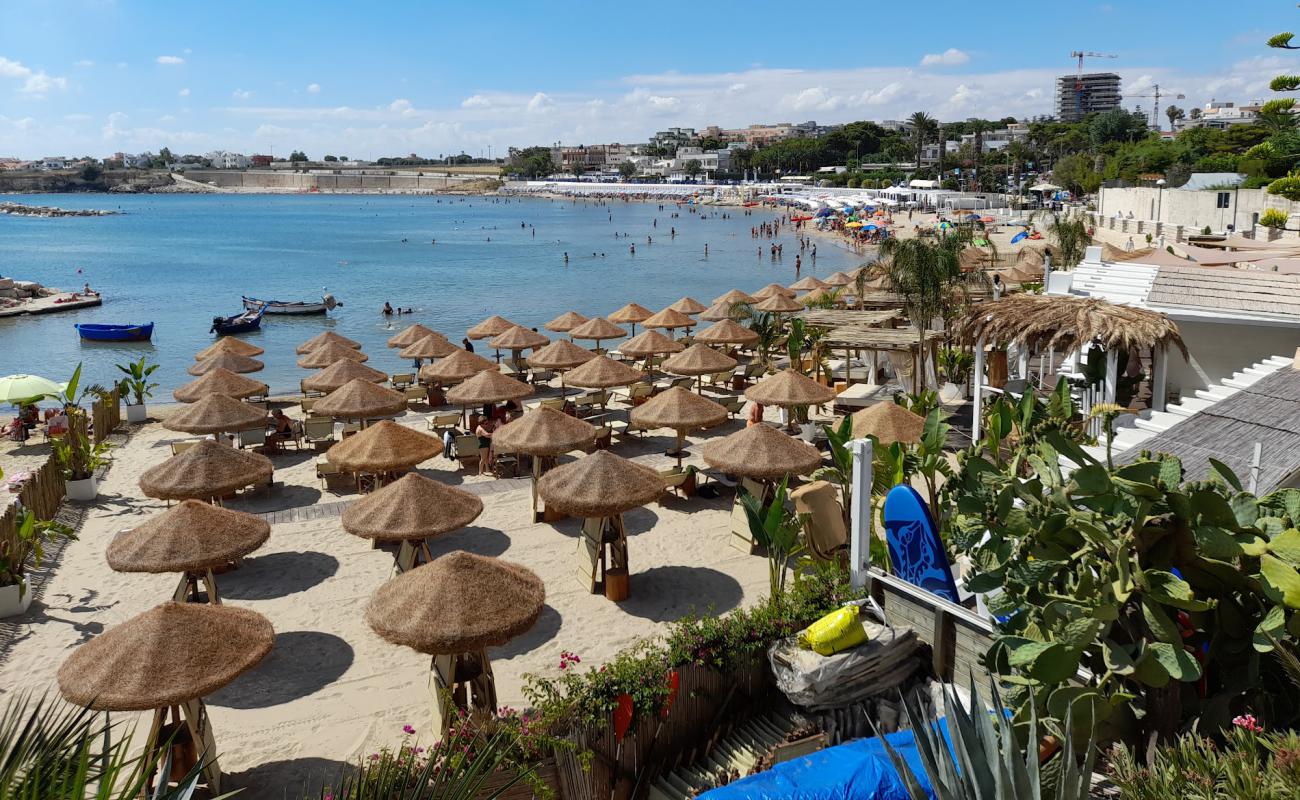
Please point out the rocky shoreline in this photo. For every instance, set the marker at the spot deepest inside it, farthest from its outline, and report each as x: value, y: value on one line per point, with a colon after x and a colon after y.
x: 21, y: 210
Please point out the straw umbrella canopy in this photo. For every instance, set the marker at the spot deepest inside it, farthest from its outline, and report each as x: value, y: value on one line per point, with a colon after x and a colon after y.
x: 328, y: 353
x: 220, y: 381
x: 718, y: 311
x: 888, y: 422
x: 492, y: 326
x: 649, y: 343
x: 206, y: 470
x: 688, y: 305
x: 565, y: 322
x: 518, y: 338
x: 360, y: 399
x: 411, y: 508
x: 807, y: 284
x: 324, y: 338
x: 815, y: 295
x: 630, y: 314
x: 698, y: 359
x: 190, y: 537
x: 435, y: 345
x: 230, y: 361
x: 726, y: 331
x: 340, y: 373
x: 459, y: 603
x: 761, y: 452
x: 216, y: 413
x: 167, y: 656
x: 669, y: 319
x: 410, y: 335
x: 229, y: 344
x: 597, y: 328
x: 456, y: 367
x: 560, y: 354
x: 543, y: 432
x: 732, y: 297
x: 839, y: 279
x: 771, y: 290
x: 779, y: 304
x: 489, y: 386
x: 603, y: 372
x: 680, y: 410
x: 384, y: 447
x: 599, y: 485
x: 1063, y: 322
x: 788, y: 388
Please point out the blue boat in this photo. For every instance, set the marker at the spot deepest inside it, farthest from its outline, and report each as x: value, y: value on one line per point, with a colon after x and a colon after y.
x: 115, y: 333
x: 250, y: 320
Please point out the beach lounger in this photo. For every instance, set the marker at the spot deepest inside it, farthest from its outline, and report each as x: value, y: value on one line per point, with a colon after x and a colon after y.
x: 444, y: 421
x: 415, y: 394
x: 401, y: 380
x: 254, y: 438
x: 329, y: 473
x: 307, y: 404
x: 540, y: 375
x: 467, y: 451
x: 823, y: 519
x: 678, y: 481
x: 733, y: 406
x: 318, y: 430
x: 638, y: 393
x: 181, y: 447
x: 556, y: 403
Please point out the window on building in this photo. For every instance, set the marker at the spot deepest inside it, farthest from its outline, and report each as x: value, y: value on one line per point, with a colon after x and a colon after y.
x: 1223, y: 199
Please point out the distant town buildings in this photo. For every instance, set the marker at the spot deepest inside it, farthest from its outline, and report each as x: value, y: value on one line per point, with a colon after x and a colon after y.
x: 1220, y: 115
x: 991, y: 141
x: 1080, y: 95
x: 223, y: 159
x: 673, y: 138
x: 762, y: 135
x: 135, y: 160
x: 261, y: 161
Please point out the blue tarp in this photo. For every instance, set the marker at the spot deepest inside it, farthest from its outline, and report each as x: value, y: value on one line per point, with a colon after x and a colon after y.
x: 859, y: 770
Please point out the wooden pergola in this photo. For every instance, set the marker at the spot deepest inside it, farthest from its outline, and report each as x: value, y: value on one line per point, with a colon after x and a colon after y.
x: 879, y: 340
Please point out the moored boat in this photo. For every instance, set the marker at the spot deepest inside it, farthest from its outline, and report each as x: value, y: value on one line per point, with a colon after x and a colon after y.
x: 294, y: 308
x: 115, y: 333
x: 250, y: 320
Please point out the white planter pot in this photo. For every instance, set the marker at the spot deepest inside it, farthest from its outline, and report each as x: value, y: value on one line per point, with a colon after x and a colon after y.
x: 136, y: 414
x: 83, y: 490
x: 808, y: 431
x: 10, y: 603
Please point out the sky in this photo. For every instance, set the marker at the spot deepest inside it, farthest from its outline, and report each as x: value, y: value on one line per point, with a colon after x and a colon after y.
x: 93, y: 77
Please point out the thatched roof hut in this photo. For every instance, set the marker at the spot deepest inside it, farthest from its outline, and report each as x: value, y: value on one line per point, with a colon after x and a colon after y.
x: 839, y: 279
x: 490, y: 327
x: 726, y: 331
x: 789, y: 388
x: 688, y: 305
x: 187, y: 537
x: 411, y: 334
x: 630, y: 313
x: 565, y: 322
x: 597, y: 328
x: 412, y: 507
x: 733, y: 297
x: 544, y: 432
x: 432, y: 346
x: 778, y: 304
x: 360, y: 399
x: 1063, y: 322
x: 518, y: 338
x: 206, y: 470
x: 772, y: 290
x: 560, y: 354
x: 167, y: 656
x: 328, y: 353
x: 339, y: 373
x: 807, y: 284
x: 215, y: 413
x: 761, y: 452
x: 679, y: 409
x: 603, y: 372
x: 649, y: 343
x: 669, y: 319
x: 220, y: 381
x: 458, y: 366
x: 229, y: 344
x: 888, y: 422
x: 599, y: 485
x: 698, y: 359
x: 227, y: 361
x: 489, y: 386
x: 327, y: 337
x: 384, y: 447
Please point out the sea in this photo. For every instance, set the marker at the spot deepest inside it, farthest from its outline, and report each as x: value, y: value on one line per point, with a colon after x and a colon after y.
x: 178, y: 260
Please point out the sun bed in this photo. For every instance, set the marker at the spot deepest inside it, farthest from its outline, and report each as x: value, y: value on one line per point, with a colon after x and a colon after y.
x: 318, y: 431
x: 401, y: 380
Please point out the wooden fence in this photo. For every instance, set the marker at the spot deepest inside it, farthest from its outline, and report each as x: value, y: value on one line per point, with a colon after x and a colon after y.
x: 106, y: 415
x: 42, y: 494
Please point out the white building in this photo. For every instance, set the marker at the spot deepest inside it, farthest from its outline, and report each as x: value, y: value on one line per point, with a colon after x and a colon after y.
x: 991, y: 141
x: 135, y: 160
x: 1222, y: 115
x: 222, y: 159
x: 53, y: 162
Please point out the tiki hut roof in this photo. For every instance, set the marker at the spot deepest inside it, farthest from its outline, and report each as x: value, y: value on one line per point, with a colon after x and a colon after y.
x: 603, y: 372
x: 789, y: 388
x: 489, y: 327
x: 229, y: 361
x: 807, y: 284
x: 328, y: 353
x: 649, y: 343
x: 688, y: 305
x: 679, y: 409
x: 543, y: 432
x: 489, y: 386
x: 458, y: 366
x: 560, y: 354
x: 518, y: 338
x: 327, y: 337
x: 779, y: 304
x: 220, y: 381
x: 888, y: 422
x: 459, y: 603
x: 215, y: 413
x: 726, y: 331
x: 599, y: 485
x: 360, y: 399
x: 838, y: 279
x: 169, y: 655
x: 565, y: 322
x: 732, y: 297
x: 206, y: 470
x: 761, y: 452
x: 632, y: 312
x: 772, y: 290
x: 597, y: 328
x: 412, y: 507
x: 434, y: 345
x: 229, y: 344
x: 339, y: 373
x: 698, y: 359
x: 411, y: 334
x: 668, y: 318
x: 191, y: 536
x: 718, y: 311
x: 1064, y: 322
x: 384, y: 447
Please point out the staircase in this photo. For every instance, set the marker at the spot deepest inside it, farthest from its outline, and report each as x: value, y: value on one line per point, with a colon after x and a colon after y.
x: 1118, y: 283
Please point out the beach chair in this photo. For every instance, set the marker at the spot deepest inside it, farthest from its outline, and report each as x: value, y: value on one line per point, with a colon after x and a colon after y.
x: 638, y: 393
x: 317, y: 431
x: 467, y: 451
x: 329, y: 473
x: 401, y: 380
x: 555, y: 403
x: 823, y: 520
x: 733, y: 406
x: 307, y: 403
x: 181, y: 447
x: 253, y: 438
x: 444, y: 421
x: 415, y: 394
x: 678, y: 481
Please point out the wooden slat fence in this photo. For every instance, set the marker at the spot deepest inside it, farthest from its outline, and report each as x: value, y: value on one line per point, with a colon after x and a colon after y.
x: 106, y: 415
x: 43, y: 494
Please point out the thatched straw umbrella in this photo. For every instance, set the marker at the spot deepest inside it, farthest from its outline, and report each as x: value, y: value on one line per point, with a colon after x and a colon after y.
x: 327, y: 337
x: 220, y: 381
x: 228, y: 361
x: 340, y: 373
x: 454, y: 609
x: 772, y: 290
x: 229, y: 344
x: 456, y: 367
x: 603, y: 372
x: 328, y: 353
x: 411, y: 510
x: 489, y: 386
x: 207, y: 471
x: 558, y: 356
x: 807, y: 284
x: 565, y: 322
x: 166, y: 660
x: 543, y: 433
x: 630, y: 314
x: 839, y: 279
x: 216, y: 413
x: 668, y: 319
x: 649, y: 343
x: 726, y: 331
x: 778, y: 304
x: 490, y: 327
x: 733, y: 297
x: 597, y: 328
x: 761, y: 452
x: 435, y: 345
x: 680, y: 410
x: 518, y: 338
x: 888, y: 422
x: 788, y: 389
x: 688, y: 305
x: 383, y: 448
x: 192, y: 538
x: 719, y: 311
x: 360, y: 399
x: 698, y: 359
x: 410, y: 335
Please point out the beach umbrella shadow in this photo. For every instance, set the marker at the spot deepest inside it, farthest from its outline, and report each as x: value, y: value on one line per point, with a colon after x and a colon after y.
x: 310, y: 775
x: 276, y: 575
x: 669, y: 593
x: 544, y: 630
x: 300, y: 664
x: 473, y: 539
x: 639, y: 520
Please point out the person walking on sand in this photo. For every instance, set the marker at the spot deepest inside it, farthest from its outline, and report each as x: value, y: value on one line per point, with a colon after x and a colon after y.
x: 755, y: 416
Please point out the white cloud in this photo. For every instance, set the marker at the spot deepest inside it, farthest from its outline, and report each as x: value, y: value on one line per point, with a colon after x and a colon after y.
x: 241, y: 94
x: 313, y: 88
x: 476, y: 101
x: 540, y: 102
x: 814, y: 98
x: 170, y: 60
x: 401, y: 106
x: 184, y: 92
x: 83, y: 63
x: 35, y: 82
x: 77, y: 117
x: 948, y: 58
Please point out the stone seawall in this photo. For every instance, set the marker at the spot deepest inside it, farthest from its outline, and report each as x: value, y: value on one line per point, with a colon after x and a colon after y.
x: 258, y: 180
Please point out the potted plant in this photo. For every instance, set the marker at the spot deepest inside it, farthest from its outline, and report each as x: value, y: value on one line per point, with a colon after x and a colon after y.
x: 136, y: 384
x: 22, y: 543
x: 75, y: 453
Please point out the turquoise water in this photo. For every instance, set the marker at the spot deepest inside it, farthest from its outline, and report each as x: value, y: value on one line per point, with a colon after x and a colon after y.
x: 180, y: 260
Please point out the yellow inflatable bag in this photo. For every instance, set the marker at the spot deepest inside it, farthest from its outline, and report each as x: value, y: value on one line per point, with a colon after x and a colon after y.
x: 834, y: 633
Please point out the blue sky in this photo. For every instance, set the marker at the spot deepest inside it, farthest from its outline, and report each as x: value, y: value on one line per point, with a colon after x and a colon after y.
x: 370, y: 79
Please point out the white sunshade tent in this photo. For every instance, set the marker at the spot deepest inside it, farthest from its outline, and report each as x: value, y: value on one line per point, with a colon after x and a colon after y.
x: 1044, y: 187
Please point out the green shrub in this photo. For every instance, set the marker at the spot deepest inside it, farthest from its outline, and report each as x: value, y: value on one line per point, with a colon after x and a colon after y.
x: 1288, y: 187
x: 1249, y: 765
x: 1273, y: 218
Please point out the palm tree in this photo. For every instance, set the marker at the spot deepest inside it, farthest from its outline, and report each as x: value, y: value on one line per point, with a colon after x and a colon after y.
x: 1174, y: 113
x: 922, y: 126
x: 923, y: 275
x: 1070, y: 232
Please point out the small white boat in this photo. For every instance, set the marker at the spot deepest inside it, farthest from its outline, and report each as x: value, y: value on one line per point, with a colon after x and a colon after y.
x: 295, y: 308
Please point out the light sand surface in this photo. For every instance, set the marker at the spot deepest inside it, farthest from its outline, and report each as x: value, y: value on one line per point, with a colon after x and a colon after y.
x: 331, y: 690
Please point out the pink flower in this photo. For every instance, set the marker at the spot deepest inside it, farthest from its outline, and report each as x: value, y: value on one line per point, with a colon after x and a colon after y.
x: 374, y: 756
x: 1248, y: 722
x: 408, y: 730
